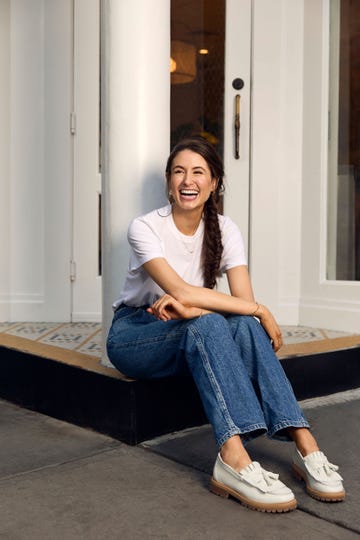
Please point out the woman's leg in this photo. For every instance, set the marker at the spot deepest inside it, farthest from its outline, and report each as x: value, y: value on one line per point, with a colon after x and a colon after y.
x: 141, y: 346
x: 226, y: 391
x: 281, y: 410
x: 261, y: 361
x: 304, y: 440
x: 276, y: 396
x: 233, y: 409
x: 233, y: 453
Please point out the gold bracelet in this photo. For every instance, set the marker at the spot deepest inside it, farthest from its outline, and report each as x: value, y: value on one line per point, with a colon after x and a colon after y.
x: 256, y: 310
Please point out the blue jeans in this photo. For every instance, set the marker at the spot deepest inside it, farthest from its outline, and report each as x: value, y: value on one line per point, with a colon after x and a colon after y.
x: 241, y: 383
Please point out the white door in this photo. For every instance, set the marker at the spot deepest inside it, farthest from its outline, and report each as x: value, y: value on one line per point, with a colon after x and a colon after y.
x: 237, y: 102
x: 210, y: 90
x: 39, y: 180
x: 86, y: 256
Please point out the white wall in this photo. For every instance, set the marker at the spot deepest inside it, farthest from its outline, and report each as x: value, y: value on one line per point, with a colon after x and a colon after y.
x: 58, y: 165
x: 27, y: 153
x: 4, y: 159
x: 275, y: 213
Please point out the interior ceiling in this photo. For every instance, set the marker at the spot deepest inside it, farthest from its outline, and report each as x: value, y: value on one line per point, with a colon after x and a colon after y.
x: 196, y: 20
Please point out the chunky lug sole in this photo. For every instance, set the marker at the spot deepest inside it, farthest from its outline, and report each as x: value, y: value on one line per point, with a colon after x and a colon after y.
x: 225, y: 491
x: 318, y: 495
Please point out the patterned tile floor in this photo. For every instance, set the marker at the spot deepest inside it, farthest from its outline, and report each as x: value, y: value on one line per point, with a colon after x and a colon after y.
x: 85, y: 337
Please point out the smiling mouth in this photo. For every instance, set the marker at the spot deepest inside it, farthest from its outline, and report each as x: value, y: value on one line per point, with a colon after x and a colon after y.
x: 189, y: 193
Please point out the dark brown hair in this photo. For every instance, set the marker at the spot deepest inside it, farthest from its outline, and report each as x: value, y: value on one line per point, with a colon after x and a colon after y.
x: 212, y: 244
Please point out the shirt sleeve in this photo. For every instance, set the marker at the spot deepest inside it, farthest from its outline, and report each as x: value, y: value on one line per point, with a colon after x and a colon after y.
x: 144, y: 242
x: 233, y: 243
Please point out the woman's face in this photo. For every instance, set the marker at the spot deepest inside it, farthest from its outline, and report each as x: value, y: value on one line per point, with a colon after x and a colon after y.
x: 190, y: 181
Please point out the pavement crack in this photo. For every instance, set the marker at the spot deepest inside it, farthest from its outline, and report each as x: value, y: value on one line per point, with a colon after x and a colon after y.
x: 55, y: 465
x: 327, y: 520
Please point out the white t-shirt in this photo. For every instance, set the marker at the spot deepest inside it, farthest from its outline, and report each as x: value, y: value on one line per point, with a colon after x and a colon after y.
x: 156, y: 235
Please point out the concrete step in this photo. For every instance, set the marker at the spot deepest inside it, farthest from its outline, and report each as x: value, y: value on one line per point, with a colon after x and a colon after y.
x: 75, y: 387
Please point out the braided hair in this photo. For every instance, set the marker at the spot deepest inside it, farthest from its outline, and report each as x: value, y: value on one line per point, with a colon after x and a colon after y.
x: 212, y: 244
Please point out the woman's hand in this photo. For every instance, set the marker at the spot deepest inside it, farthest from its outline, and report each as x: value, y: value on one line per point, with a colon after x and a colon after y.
x: 270, y: 326
x: 167, y: 308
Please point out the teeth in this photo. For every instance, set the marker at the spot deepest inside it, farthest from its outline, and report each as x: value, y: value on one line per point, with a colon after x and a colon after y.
x: 188, y: 192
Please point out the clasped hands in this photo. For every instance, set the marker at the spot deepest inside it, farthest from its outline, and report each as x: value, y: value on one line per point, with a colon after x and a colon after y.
x: 167, y: 308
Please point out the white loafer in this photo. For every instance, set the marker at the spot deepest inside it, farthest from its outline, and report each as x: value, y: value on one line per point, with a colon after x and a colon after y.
x: 321, y: 479
x: 252, y: 486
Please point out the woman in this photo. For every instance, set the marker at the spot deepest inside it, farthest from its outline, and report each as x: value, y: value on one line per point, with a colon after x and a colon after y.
x: 169, y: 320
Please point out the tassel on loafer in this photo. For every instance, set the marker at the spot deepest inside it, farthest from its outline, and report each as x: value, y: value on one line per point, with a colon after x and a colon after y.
x: 254, y: 487
x: 322, y: 480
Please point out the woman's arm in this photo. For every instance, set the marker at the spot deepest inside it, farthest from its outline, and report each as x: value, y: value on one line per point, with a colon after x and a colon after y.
x: 239, y: 283
x: 211, y: 300
x: 188, y: 295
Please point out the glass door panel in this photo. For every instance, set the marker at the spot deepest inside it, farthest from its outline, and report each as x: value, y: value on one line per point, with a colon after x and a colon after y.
x: 210, y: 48
x: 197, y: 70
x: 344, y: 142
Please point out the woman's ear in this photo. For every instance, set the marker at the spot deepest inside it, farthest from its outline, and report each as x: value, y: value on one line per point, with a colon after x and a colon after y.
x: 215, y: 183
x: 168, y: 190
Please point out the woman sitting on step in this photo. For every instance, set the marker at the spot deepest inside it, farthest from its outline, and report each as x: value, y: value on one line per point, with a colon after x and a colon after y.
x: 171, y: 320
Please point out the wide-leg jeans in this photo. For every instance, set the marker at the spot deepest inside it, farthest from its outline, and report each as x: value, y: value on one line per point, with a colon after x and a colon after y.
x: 241, y: 383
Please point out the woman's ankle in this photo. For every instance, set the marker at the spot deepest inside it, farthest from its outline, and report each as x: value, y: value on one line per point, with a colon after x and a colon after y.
x: 234, y: 454
x: 304, y: 440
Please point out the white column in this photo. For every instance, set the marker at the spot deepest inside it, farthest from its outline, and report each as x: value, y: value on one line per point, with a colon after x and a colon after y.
x: 135, y: 126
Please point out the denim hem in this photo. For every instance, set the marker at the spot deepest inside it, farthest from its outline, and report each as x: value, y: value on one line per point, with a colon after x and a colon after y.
x: 237, y: 431
x: 286, y: 424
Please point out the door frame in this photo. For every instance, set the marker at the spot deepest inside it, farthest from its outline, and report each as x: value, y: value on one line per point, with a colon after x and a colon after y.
x: 86, y: 245
x: 238, y: 39
x: 324, y: 302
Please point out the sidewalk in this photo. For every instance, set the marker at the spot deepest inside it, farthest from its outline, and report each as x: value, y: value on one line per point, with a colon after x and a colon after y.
x: 59, y: 481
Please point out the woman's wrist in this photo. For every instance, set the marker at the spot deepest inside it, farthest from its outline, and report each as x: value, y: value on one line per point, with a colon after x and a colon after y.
x: 204, y: 312
x: 260, y: 311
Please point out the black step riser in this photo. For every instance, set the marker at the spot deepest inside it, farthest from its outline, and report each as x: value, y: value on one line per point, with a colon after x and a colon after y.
x: 139, y: 410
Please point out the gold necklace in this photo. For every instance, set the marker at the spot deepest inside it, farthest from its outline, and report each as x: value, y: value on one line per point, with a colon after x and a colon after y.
x: 193, y: 231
